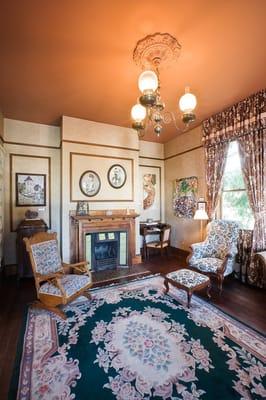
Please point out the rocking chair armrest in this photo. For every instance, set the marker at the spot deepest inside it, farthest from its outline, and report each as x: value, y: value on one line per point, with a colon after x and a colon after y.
x: 48, y: 277
x: 81, y: 267
x: 56, y: 282
x: 79, y: 264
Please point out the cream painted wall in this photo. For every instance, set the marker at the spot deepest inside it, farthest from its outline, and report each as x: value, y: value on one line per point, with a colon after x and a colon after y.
x: 190, y: 163
x: 1, y: 125
x: 151, y: 150
x: 152, y: 154
x: 22, y: 138
x: 98, y: 139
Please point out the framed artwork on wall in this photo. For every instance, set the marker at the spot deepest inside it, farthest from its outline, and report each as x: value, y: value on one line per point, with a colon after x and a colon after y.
x: 82, y: 208
x: 150, y: 190
x: 202, y: 204
x: 117, y: 176
x: 184, y: 197
x: 90, y: 183
x: 113, y: 182
x: 30, y: 189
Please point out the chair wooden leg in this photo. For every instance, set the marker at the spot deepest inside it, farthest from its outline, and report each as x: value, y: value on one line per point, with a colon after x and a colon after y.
x: 189, y: 294
x: 88, y: 295
x: 55, y: 310
x: 166, y: 284
x: 220, y: 283
x: 208, y: 291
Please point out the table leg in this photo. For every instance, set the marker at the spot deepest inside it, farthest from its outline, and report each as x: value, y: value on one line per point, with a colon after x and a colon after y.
x: 166, y: 284
x: 208, y: 291
x: 189, y: 294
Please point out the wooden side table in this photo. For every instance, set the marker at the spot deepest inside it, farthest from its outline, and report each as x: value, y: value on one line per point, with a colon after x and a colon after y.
x: 188, y: 280
x: 26, y: 228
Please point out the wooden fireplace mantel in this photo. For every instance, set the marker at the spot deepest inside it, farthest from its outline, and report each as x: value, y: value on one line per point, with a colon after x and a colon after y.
x: 101, y: 221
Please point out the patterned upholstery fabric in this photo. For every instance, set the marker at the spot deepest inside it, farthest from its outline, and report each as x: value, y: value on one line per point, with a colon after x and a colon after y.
x: 208, y: 264
x: 187, y: 277
x: 46, y: 257
x: 221, y: 239
x: 71, y: 283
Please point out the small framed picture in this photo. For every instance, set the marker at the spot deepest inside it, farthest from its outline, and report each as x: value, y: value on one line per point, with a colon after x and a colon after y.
x: 117, y: 176
x: 90, y: 183
x: 82, y: 208
x: 201, y: 204
x: 30, y: 190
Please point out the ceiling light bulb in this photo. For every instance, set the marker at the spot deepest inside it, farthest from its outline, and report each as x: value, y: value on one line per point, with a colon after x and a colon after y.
x: 138, y: 112
x: 187, y: 102
x: 148, y: 81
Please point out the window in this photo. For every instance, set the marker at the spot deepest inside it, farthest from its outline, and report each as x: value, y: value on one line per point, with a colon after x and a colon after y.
x: 234, y: 204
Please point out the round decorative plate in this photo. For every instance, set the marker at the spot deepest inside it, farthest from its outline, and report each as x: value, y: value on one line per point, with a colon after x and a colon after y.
x: 90, y: 183
x: 117, y: 176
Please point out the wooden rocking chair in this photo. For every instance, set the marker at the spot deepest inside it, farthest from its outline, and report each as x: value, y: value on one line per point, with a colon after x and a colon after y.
x: 56, y: 283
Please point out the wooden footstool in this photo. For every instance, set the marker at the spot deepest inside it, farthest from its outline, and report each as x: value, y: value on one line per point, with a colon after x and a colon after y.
x: 188, y: 280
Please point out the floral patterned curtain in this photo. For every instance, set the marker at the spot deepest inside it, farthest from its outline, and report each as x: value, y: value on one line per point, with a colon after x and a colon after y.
x: 244, y: 247
x: 215, y: 163
x: 246, y: 123
x: 243, y: 118
x: 252, y: 150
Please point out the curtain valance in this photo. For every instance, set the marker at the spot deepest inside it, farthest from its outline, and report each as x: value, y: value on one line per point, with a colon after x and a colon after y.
x: 243, y: 118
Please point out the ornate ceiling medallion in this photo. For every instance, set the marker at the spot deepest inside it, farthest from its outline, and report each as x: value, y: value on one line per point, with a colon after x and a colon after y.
x: 156, y: 49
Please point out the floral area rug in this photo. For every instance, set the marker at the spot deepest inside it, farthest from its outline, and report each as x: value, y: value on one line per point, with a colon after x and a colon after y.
x: 133, y: 342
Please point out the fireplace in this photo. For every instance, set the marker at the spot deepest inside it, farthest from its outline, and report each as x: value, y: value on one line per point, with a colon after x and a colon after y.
x: 106, y: 250
x: 105, y: 240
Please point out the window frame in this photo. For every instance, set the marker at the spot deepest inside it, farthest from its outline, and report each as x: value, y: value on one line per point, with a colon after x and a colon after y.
x: 219, y: 212
x: 221, y: 198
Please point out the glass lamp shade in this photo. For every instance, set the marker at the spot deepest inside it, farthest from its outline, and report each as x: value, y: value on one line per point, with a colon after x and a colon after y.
x: 148, y: 81
x: 201, y: 214
x: 187, y: 102
x: 138, y: 113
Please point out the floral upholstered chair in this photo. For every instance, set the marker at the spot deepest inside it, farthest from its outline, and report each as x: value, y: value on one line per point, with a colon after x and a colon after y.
x: 55, y: 282
x: 216, y: 255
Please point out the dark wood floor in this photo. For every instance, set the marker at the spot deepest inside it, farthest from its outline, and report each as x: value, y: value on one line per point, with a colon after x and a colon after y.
x: 245, y: 303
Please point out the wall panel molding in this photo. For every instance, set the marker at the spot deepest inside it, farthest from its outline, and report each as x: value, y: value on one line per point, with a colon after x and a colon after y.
x: 116, y: 160
x: 100, y: 145
x: 11, y: 170
x: 183, y: 152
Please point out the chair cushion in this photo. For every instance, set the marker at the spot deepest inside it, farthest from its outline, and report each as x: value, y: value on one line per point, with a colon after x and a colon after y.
x: 46, y: 257
x: 207, y: 264
x: 187, y: 277
x: 71, y: 283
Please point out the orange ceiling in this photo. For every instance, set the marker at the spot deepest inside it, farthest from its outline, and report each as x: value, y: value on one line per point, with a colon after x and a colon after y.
x: 74, y: 57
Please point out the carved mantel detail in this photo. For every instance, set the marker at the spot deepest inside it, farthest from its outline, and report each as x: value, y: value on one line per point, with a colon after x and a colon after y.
x: 101, y: 221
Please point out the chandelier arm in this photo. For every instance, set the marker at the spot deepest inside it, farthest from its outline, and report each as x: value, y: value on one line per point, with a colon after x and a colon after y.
x: 172, y: 118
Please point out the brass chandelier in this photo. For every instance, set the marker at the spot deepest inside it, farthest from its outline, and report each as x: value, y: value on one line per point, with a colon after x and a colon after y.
x: 150, y: 53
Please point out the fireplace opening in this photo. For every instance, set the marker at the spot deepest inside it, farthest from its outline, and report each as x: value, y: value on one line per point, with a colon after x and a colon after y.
x: 106, y: 250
